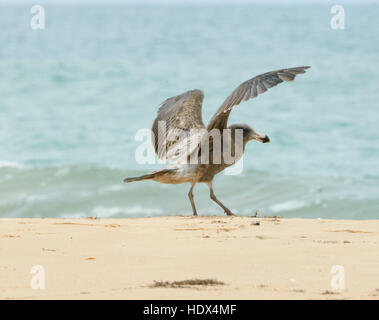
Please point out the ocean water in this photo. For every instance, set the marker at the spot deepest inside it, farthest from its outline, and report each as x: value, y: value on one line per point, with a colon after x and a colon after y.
x: 73, y: 96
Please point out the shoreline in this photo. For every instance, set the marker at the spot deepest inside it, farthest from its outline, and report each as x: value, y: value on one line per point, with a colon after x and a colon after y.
x: 185, y: 257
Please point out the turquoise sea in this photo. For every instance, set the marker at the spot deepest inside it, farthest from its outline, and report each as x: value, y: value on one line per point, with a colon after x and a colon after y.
x: 73, y: 96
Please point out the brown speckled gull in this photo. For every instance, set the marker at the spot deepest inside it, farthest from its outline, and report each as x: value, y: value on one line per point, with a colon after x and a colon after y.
x: 193, y: 150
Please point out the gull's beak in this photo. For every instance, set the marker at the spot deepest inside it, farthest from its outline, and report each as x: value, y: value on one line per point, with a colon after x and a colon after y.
x: 266, y: 139
x: 260, y: 137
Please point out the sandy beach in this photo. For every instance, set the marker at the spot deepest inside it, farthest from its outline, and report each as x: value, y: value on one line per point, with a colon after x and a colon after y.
x: 153, y: 258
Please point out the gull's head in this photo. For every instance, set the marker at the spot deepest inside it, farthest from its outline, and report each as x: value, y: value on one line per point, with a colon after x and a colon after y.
x: 249, y: 133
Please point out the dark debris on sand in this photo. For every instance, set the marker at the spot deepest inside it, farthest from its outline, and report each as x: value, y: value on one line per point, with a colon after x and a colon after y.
x: 186, y: 283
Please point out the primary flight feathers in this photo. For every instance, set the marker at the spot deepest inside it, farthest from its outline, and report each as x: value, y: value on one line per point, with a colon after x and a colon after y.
x: 183, y: 112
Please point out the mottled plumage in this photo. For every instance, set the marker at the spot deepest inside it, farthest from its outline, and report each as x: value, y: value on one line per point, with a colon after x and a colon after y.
x: 180, y: 136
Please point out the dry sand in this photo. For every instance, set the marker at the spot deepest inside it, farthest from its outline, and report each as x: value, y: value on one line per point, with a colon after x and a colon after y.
x: 122, y: 258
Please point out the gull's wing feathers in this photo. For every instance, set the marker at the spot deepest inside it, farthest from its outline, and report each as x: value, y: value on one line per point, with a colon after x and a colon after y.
x: 177, y: 116
x: 250, y: 89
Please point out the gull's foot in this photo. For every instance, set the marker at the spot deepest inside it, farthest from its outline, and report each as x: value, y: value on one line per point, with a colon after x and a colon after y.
x: 229, y: 213
x: 195, y: 214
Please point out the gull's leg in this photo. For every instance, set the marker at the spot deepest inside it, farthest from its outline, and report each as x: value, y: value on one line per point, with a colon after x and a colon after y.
x: 213, y: 197
x: 190, y: 196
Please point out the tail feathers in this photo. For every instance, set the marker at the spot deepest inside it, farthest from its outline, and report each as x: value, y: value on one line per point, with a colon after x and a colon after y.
x: 144, y: 177
x: 148, y: 176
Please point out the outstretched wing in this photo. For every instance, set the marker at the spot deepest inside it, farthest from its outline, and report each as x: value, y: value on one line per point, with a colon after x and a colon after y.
x: 250, y: 89
x: 178, y: 126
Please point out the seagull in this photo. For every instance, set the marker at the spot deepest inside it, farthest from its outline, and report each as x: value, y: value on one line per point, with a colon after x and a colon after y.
x: 197, y: 153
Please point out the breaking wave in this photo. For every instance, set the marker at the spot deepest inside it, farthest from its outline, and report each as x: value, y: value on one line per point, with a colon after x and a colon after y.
x: 91, y: 191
